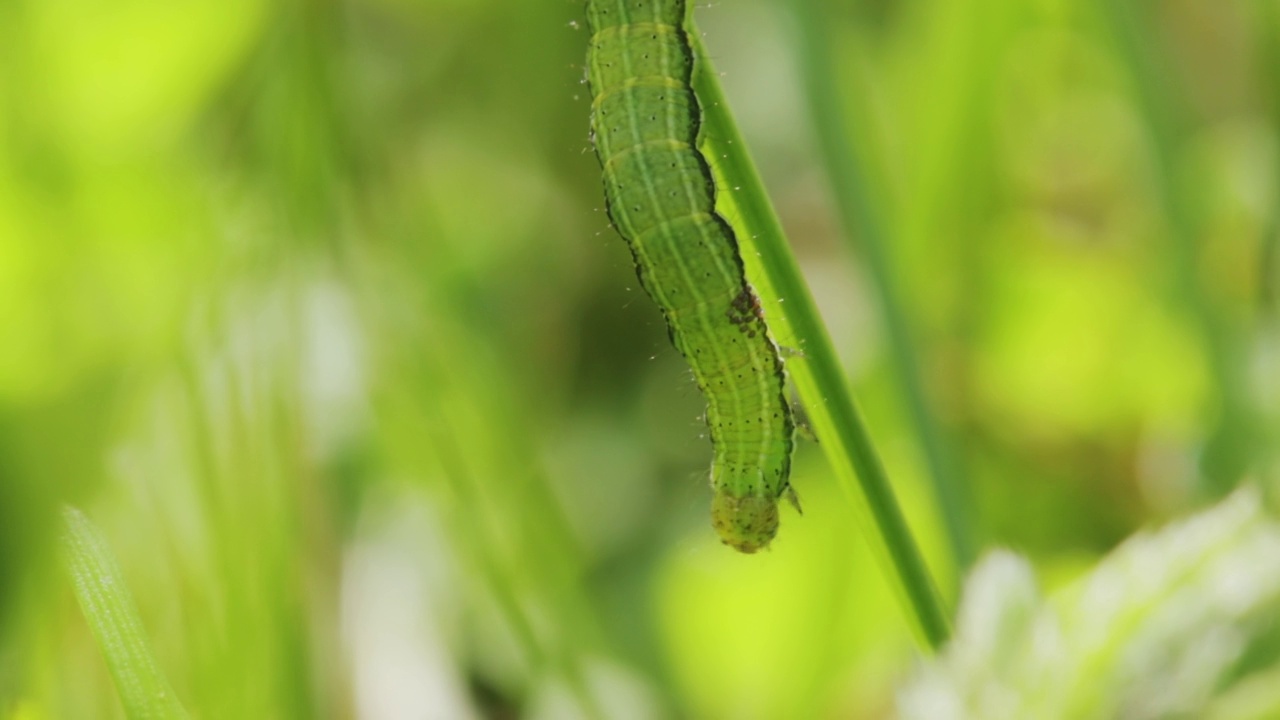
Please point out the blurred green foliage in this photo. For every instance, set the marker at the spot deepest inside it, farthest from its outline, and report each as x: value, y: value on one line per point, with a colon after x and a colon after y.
x: 312, y: 307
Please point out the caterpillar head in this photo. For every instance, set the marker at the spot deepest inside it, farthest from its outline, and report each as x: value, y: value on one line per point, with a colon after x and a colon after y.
x: 745, y: 523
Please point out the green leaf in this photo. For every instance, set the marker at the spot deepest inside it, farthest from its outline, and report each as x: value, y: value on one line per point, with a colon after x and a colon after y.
x: 817, y: 373
x: 107, y: 606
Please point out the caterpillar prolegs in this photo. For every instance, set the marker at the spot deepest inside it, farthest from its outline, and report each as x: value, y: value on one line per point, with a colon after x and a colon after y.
x: 660, y: 194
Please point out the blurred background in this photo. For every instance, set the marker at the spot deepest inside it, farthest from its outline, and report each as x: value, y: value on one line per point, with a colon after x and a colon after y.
x: 313, y: 308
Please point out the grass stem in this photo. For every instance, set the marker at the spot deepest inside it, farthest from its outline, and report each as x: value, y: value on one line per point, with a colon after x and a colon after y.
x: 817, y: 374
x: 864, y: 229
x: 1230, y: 448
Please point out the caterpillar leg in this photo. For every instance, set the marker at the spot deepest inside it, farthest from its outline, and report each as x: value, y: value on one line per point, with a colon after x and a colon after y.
x: 786, y: 352
x: 793, y: 498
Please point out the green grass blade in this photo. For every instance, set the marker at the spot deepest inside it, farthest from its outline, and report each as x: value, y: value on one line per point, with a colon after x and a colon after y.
x: 863, y: 226
x: 1230, y: 449
x: 817, y: 375
x: 1267, y: 24
x: 113, y: 618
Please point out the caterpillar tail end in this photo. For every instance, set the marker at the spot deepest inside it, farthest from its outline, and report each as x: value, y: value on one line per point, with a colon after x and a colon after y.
x: 747, y: 523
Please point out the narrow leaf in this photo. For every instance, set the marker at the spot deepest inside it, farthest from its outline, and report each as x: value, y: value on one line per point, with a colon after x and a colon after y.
x: 817, y: 373
x: 114, y: 621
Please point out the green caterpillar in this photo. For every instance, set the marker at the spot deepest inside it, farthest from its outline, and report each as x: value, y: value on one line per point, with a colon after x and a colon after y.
x: 645, y: 124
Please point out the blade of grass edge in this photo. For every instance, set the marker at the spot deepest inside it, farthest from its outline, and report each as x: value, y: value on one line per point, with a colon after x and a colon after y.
x: 848, y: 176
x: 113, y: 618
x: 818, y: 376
